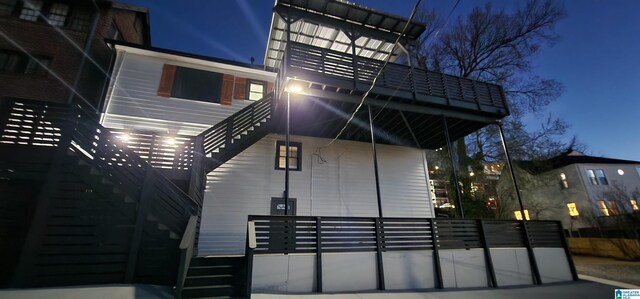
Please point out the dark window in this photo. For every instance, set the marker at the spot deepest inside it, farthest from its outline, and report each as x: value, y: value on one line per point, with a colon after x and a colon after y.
x: 6, y: 7
x: 255, y: 91
x: 137, y: 24
x: 602, y: 179
x: 31, y: 10
x: 81, y: 19
x: 20, y: 63
x: 295, y: 152
x: 58, y: 14
x: 197, y: 85
x: 277, y: 206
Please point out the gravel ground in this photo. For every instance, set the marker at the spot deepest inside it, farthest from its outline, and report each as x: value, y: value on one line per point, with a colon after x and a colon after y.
x: 607, y: 268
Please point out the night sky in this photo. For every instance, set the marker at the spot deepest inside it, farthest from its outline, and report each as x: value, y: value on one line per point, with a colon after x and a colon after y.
x: 597, y: 57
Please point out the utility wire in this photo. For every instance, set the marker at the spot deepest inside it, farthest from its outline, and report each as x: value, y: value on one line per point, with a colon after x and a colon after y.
x: 375, y: 79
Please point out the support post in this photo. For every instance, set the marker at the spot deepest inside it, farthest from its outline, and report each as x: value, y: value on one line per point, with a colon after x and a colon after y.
x: 318, y: 254
x: 375, y: 161
x: 436, y: 255
x: 379, y: 264
x: 493, y: 282
x: 144, y: 201
x: 513, y: 174
x: 453, y: 167
x: 249, y: 266
x: 287, y: 155
x: 565, y: 245
x: 532, y: 257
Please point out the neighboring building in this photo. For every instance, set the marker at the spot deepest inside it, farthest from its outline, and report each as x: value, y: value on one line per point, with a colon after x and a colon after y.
x: 37, y: 35
x: 188, y: 181
x: 577, y: 189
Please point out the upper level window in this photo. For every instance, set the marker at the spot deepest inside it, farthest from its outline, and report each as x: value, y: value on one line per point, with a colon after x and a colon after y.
x: 20, y: 63
x: 573, y: 210
x: 196, y: 84
x: 6, y: 7
x: 295, y: 150
x: 58, y: 14
x: 597, y: 177
x: 518, y: 214
x: 80, y: 19
x: 603, y: 207
x: 31, y: 10
x: 255, y: 90
x: 563, y: 181
x: 638, y: 170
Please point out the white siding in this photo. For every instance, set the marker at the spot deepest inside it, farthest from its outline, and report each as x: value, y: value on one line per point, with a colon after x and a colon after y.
x: 344, y: 185
x: 132, y: 101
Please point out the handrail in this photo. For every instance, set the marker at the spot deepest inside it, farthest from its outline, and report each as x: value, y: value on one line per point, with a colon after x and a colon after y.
x: 187, y: 245
x: 223, y: 133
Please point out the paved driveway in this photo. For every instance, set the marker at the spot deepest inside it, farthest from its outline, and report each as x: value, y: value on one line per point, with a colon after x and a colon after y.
x: 575, y: 290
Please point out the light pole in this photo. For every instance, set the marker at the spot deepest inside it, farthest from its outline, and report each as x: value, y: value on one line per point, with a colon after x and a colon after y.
x: 291, y: 88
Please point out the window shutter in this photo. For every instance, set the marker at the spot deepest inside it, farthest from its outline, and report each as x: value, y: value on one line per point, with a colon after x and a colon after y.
x: 269, y: 87
x: 227, y: 90
x: 166, y: 81
x: 240, y: 92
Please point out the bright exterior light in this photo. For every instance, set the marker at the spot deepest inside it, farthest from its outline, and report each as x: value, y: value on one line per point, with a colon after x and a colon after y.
x: 471, y: 173
x: 620, y: 172
x: 124, y: 138
x: 563, y: 176
x: 294, y: 88
x: 170, y: 141
x: 437, y: 167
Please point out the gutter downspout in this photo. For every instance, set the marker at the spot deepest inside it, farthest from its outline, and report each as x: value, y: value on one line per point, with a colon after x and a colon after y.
x: 87, y: 47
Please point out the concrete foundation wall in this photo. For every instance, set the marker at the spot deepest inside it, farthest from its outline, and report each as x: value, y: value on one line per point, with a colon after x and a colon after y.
x: 552, y: 264
x: 279, y: 273
x: 408, y: 270
x: 463, y: 268
x: 511, y: 266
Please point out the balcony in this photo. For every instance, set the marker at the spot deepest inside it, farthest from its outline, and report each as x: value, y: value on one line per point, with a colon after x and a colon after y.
x: 326, y: 71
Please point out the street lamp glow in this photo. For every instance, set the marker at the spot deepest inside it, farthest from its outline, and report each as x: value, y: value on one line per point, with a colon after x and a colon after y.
x: 294, y: 88
x: 124, y: 138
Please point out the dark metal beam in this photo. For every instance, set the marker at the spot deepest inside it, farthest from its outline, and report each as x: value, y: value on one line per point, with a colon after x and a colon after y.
x: 453, y: 167
x: 375, y: 161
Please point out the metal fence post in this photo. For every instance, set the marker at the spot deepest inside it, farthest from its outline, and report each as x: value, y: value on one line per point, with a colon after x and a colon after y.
x: 144, y: 202
x: 436, y: 255
x: 567, y: 251
x: 319, y: 254
x: 493, y: 282
x: 532, y: 257
x: 379, y: 263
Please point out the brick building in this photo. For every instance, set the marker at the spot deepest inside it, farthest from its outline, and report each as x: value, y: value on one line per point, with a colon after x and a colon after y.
x: 42, y: 41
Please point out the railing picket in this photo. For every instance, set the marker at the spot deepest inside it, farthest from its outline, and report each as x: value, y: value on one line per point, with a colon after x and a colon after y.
x: 379, y: 262
x: 319, y: 254
x: 493, y: 282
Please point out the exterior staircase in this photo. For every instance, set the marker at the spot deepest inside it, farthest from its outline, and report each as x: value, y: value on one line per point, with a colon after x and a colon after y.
x: 236, y: 133
x: 216, y: 277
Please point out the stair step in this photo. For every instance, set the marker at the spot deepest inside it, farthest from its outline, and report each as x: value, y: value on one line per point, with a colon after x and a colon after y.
x: 208, y: 291
x: 212, y: 270
x: 210, y: 280
x: 217, y: 261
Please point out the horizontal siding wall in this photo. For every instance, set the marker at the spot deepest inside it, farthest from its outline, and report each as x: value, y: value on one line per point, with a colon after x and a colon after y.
x: 133, y: 103
x: 335, y: 181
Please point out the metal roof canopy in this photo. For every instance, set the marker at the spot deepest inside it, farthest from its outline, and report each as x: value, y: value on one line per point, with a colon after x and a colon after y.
x: 327, y: 23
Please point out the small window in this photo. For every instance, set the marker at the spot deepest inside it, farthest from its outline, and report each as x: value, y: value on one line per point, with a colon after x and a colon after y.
x: 602, y: 179
x: 31, y: 10
x: 58, y: 14
x: 573, y: 210
x: 563, y: 181
x: 634, y: 204
x: 592, y: 177
x: 255, y: 90
x: 81, y: 19
x: 613, y: 208
x: 137, y: 24
x: 20, y: 63
x: 197, y: 84
x: 603, y: 207
x: 518, y: 214
x: 295, y: 152
x: 638, y: 170
x: 6, y: 7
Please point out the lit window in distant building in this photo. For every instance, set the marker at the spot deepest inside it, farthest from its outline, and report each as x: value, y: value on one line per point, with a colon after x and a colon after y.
x: 603, y: 207
x: 518, y: 215
x: 80, y: 19
x: 31, y: 10
x: 563, y: 181
x: 573, y: 210
x: 58, y: 14
x: 634, y: 204
x: 6, y: 7
x: 256, y: 91
x: 613, y: 208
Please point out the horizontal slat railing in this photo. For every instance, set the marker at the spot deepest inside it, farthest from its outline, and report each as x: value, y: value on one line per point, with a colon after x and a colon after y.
x: 399, y: 78
x: 221, y: 136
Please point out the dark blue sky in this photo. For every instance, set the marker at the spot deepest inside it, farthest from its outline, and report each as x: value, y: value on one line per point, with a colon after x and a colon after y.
x: 597, y: 57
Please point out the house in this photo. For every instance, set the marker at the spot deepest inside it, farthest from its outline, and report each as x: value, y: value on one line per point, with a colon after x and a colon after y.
x: 55, y: 34
x: 580, y: 190
x: 306, y: 174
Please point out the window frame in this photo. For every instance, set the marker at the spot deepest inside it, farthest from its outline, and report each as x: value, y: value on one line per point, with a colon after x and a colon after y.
x: 26, y: 65
x: 603, y: 181
x: 298, y: 145
x: 49, y: 13
x: 40, y: 11
x: 603, y: 207
x: 564, y: 184
x: 215, y: 98
x: 10, y: 8
x: 634, y: 205
x: 518, y: 214
x: 248, y: 89
x: 573, y: 209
